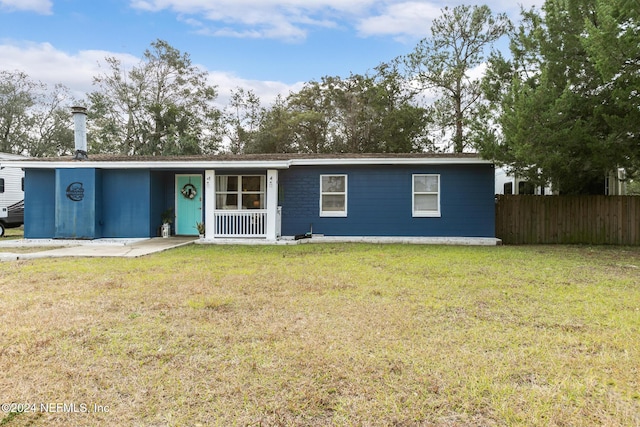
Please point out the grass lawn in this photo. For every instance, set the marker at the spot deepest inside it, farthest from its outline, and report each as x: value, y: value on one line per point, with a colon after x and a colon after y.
x: 12, y: 233
x: 315, y: 335
x: 18, y: 233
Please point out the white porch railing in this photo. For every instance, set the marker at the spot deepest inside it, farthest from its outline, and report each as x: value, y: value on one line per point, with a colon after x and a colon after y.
x: 240, y: 223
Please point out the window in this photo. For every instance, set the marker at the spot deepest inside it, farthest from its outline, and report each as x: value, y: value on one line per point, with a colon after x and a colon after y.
x: 525, y: 187
x: 426, y: 195
x: 1, y: 185
x: 333, y: 195
x: 240, y: 192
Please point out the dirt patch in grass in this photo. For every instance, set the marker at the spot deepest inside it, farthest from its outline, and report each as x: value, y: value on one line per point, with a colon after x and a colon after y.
x: 325, y: 335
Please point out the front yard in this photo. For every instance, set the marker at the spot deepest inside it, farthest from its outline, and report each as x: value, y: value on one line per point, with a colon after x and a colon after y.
x: 343, y: 334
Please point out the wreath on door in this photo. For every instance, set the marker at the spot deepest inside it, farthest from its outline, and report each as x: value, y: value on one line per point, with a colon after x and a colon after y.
x: 189, y: 191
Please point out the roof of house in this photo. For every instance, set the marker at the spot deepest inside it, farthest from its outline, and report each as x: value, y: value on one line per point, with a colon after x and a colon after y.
x: 9, y: 156
x: 275, y: 161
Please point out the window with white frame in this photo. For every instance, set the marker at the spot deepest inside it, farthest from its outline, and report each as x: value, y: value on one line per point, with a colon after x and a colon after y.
x: 236, y: 192
x: 333, y: 195
x: 426, y: 195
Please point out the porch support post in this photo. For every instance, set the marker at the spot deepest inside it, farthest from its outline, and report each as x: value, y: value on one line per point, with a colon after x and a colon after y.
x: 272, y: 203
x: 209, y: 202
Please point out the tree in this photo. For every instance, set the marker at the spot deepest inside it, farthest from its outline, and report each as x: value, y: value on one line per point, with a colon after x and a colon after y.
x: 401, y: 122
x: 612, y: 43
x: 275, y: 132
x: 561, y: 120
x: 311, y: 114
x: 633, y: 188
x: 443, y: 63
x: 375, y: 113
x: 163, y: 106
x: 16, y: 98
x: 52, y: 133
x: 370, y: 113
x: 34, y: 120
x: 354, y: 122
x: 242, y: 119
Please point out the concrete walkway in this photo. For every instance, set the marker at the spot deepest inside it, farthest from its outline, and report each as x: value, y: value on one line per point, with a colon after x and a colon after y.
x: 133, y: 248
x: 126, y: 248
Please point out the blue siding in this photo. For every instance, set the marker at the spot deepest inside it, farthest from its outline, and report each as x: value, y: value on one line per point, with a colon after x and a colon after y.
x: 379, y: 202
x: 39, y: 203
x: 79, y: 217
x: 162, y: 198
x: 120, y: 203
x: 126, y: 203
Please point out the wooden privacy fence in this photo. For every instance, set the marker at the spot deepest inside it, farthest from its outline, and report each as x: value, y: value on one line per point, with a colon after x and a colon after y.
x: 611, y: 220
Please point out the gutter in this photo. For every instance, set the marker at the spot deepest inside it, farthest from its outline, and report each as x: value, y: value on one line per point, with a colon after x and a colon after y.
x: 390, y: 161
x: 284, y: 164
x: 242, y: 164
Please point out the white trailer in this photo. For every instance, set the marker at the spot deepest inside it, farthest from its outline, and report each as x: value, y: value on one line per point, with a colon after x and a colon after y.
x: 506, y: 183
x: 613, y: 184
x: 11, y: 194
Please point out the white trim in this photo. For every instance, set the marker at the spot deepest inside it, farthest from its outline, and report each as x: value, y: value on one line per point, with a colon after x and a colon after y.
x: 161, y: 164
x: 240, y: 164
x: 389, y: 161
x: 245, y: 223
x: 339, y: 214
x: 272, y: 203
x: 240, y: 192
x: 424, y: 214
x: 270, y: 211
x: 210, y: 202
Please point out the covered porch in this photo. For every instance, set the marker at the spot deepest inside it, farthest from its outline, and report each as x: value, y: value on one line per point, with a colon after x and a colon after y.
x: 241, y: 204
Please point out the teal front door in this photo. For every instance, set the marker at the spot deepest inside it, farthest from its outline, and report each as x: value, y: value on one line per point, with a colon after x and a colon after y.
x: 188, y: 204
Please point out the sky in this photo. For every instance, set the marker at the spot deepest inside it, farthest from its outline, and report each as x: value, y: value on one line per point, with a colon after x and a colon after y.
x: 269, y: 46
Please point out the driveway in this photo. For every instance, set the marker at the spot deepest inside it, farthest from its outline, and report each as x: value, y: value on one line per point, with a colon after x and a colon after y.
x: 126, y: 248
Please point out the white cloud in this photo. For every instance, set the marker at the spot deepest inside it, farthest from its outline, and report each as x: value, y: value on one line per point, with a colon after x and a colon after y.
x: 413, y: 18
x: 42, y: 7
x: 477, y: 72
x: 292, y: 19
x: 513, y: 8
x: 43, y: 62
x: 267, y: 91
x: 407, y: 18
x: 274, y: 19
x: 284, y: 31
